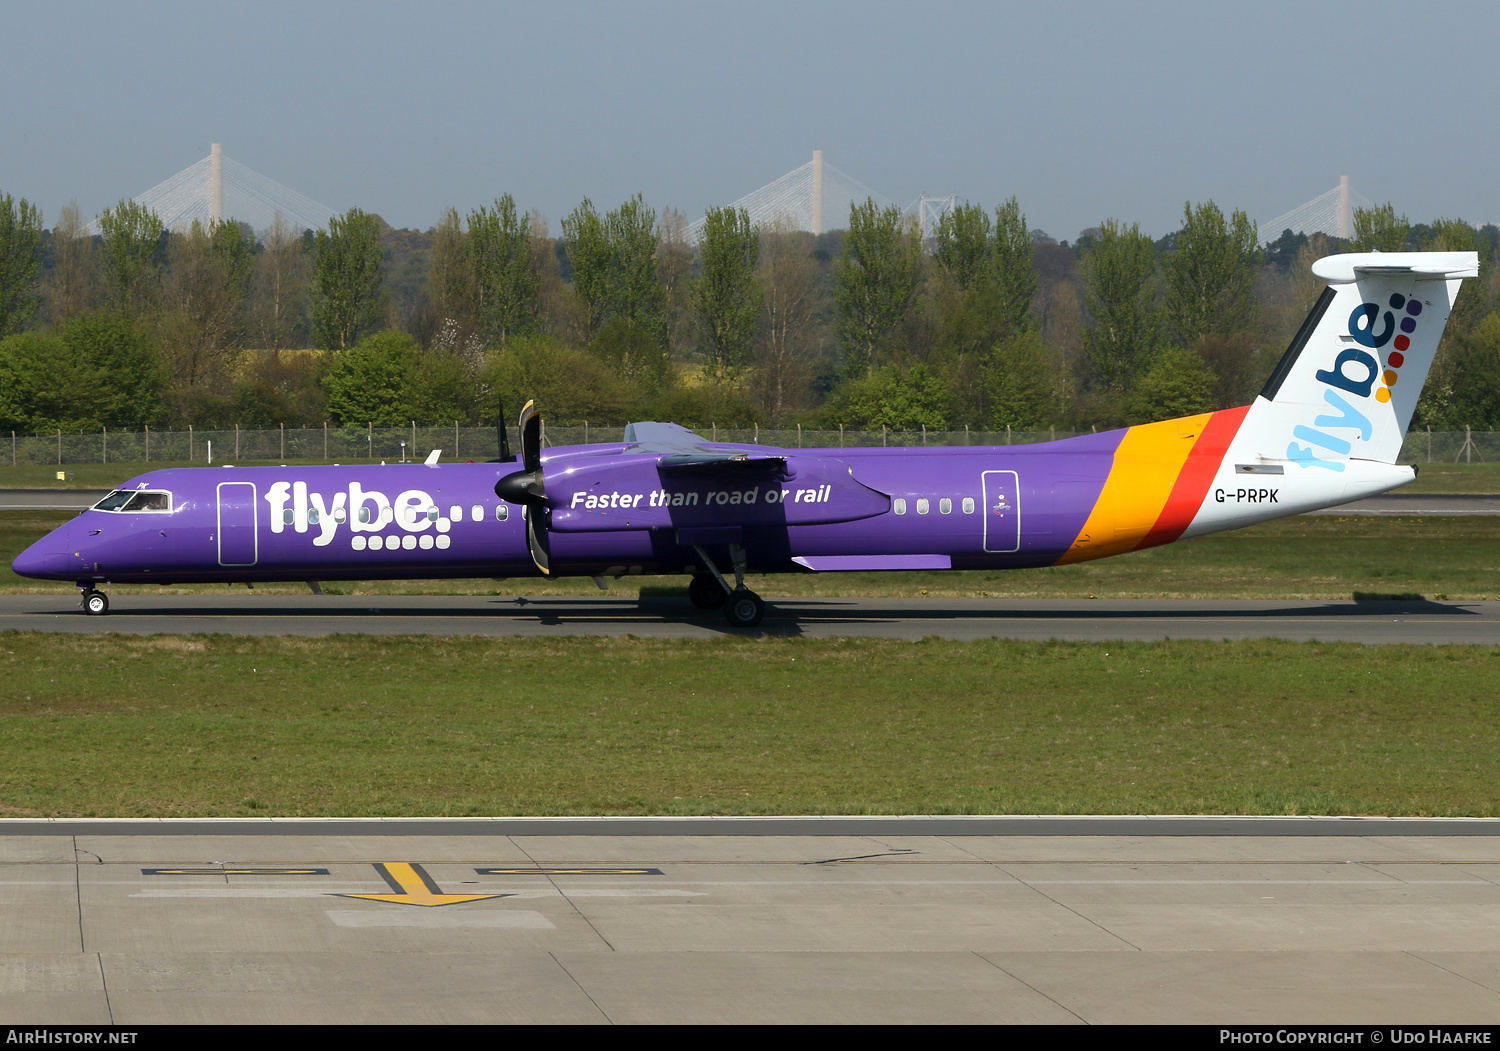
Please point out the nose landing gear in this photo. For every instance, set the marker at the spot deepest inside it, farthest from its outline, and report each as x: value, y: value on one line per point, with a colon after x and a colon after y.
x: 95, y: 602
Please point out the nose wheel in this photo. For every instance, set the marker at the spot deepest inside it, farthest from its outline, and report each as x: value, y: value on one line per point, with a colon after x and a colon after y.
x: 95, y: 603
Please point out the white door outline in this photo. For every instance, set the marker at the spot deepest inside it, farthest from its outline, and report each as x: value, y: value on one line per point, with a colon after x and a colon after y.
x: 1015, y: 487
x: 254, y: 523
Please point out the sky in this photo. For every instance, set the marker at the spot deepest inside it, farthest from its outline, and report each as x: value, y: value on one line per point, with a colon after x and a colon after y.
x: 1082, y: 111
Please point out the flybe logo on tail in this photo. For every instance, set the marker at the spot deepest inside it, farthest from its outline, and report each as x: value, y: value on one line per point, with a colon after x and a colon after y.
x: 1355, y: 372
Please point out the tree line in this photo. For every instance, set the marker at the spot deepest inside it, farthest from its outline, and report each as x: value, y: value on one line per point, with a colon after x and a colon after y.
x: 982, y: 322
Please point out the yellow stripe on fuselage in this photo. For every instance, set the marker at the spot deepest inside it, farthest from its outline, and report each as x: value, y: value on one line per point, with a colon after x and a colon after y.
x: 1147, y: 462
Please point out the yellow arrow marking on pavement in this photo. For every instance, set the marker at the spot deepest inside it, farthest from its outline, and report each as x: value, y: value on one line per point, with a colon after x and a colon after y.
x: 415, y: 887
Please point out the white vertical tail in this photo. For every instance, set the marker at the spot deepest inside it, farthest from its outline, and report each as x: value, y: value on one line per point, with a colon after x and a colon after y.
x: 1346, y: 388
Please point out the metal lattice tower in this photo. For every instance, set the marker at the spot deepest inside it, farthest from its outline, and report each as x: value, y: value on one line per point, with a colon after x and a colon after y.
x: 930, y: 210
x: 1330, y: 213
x: 814, y: 197
x: 218, y: 188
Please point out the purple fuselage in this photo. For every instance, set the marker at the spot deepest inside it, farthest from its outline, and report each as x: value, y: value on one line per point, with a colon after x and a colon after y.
x: 964, y: 507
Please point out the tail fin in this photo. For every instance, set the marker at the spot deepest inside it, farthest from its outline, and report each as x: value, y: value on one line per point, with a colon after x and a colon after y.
x: 1348, y: 384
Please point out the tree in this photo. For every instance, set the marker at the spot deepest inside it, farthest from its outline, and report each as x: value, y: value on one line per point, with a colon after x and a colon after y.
x: 727, y: 298
x: 346, y: 296
x: 674, y: 270
x: 890, y: 396
x: 1455, y: 235
x: 875, y: 282
x: 95, y: 370
x: 209, y: 278
x: 634, y: 354
x: 281, y: 286
x: 1210, y: 278
x: 505, y: 285
x: 965, y: 246
x: 1379, y: 229
x: 1020, y: 384
x: 590, y: 255
x: 71, y: 286
x: 1015, y: 276
x: 450, y: 282
x: 566, y: 384
x: 614, y: 267
x: 991, y: 281
x: 635, y: 293
x: 788, y: 278
x: 1119, y: 275
x: 386, y: 379
x: 130, y: 239
x: 20, y: 263
x: 1177, y: 384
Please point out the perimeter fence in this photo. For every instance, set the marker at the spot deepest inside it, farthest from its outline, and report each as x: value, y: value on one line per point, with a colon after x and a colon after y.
x: 354, y: 444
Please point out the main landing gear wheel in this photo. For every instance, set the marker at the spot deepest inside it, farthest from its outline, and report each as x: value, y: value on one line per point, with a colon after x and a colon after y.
x: 95, y: 603
x: 744, y: 609
x: 705, y: 592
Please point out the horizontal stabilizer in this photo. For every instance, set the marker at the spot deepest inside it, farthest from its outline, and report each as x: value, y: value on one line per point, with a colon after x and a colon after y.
x: 1430, y: 266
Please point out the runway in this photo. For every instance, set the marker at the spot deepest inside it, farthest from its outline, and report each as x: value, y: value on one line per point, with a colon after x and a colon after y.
x: 142, y: 922
x: 906, y: 618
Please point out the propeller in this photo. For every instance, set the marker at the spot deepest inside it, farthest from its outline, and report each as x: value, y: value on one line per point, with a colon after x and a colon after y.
x: 528, y: 488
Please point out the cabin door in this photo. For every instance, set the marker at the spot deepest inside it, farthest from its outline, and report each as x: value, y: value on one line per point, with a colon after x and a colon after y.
x: 1002, y: 512
x: 238, y: 545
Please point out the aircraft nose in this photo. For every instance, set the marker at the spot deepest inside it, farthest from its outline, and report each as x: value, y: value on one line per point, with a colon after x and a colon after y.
x: 48, y: 557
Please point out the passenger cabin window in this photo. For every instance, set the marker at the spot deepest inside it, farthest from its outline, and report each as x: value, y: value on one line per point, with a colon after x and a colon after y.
x: 476, y: 513
x: 137, y: 500
x: 502, y: 512
x: 922, y: 505
x: 968, y: 505
x: 945, y: 505
x: 900, y: 506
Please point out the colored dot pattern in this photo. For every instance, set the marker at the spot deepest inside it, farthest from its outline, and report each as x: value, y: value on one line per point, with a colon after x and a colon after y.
x: 1402, y: 343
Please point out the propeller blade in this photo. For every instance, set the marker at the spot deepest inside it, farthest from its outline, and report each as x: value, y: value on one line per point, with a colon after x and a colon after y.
x: 536, y: 540
x: 530, y: 428
x: 527, y: 488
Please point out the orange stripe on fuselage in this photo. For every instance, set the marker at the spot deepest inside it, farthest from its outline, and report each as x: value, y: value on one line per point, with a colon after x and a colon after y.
x: 1197, y: 475
x: 1148, y: 462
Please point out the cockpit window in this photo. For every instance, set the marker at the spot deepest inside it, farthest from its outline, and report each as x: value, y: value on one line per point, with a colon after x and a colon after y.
x: 114, y: 501
x: 135, y: 500
x: 150, y: 502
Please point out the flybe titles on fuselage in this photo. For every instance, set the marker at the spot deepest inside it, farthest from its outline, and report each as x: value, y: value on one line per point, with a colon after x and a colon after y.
x: 367, y: 514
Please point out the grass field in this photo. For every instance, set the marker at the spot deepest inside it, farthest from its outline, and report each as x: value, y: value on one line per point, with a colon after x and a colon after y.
x: 1431, y: 478
x: 105, y: 725
x: 1322, y: 557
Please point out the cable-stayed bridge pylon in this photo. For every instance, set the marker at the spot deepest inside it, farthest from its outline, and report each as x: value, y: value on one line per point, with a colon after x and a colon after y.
x: 220, y: 188
x: 1330, y: 213
x: 815, y: 197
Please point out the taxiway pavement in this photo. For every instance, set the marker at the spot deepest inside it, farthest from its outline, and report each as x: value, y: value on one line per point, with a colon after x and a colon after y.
x: 134, y: 923
x: 904, y: 618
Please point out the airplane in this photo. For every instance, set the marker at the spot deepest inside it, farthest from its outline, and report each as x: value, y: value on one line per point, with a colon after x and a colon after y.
x: 1326, y: 429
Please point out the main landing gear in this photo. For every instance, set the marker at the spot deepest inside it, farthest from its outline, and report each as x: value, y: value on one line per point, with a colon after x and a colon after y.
x: 95, y: 602
x: 743, y: 608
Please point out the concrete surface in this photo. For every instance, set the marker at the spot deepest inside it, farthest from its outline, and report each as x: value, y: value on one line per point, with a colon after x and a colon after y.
x: 138, y: 613
x: 1378, y: 928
